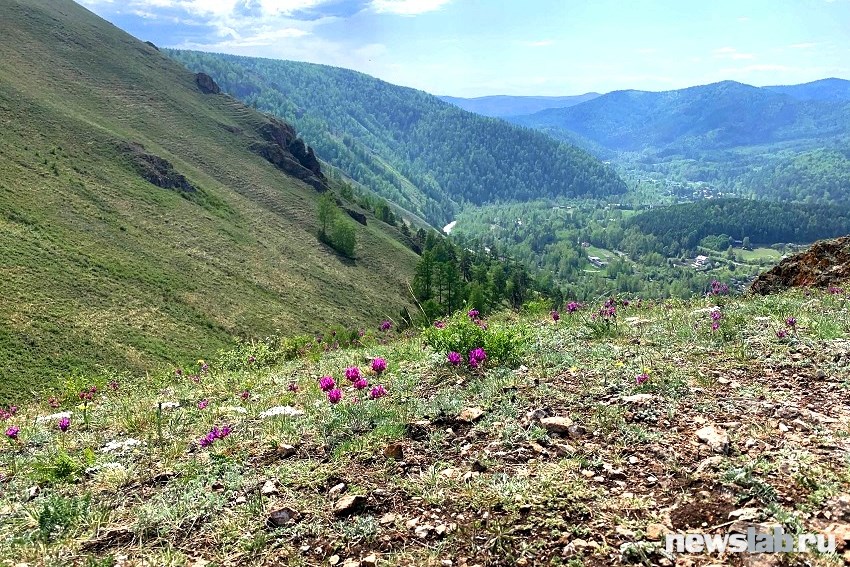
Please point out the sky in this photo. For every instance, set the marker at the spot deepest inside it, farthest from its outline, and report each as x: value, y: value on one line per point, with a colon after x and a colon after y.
x: 517, y: 47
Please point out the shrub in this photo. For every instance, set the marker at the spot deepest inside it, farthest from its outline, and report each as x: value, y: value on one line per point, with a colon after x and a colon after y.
x: 504, y: 344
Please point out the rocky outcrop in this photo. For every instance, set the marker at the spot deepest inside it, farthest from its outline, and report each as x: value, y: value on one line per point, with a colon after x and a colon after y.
x: 358, y: 216
x: 825, y: 264
x: 282, y: 147
x: 156, y: 170
x: 151, y: 44
x: 206, y: 84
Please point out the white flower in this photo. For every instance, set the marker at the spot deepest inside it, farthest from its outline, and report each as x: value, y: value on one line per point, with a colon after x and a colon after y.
x: 121, y: 446
x: 288, y: 411
x: 53, y: 417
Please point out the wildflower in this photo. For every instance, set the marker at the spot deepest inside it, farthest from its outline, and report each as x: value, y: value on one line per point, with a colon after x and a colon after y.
x: 361, y: 384
x: 245, y: 395
x: 835, y: 290
x: 334, y: 396
x: 791, y: 322
x: 478, y: 354
x: 472, y: 314
x: 555, y: 315
x: 293, y: 387
x: 473, y: 363
x: 113, y: 385
x: 625, y: 303
x: 453, y: 358
x: 64, y: 424
x: 203, y: 404
x: 641, y: 378
x: 53, y: 402
x: 12, y: 433
x: 379, y: 365
x: 195, y: 378
x: 716, y: 315
x: 715, y: 326
x: 781, y: 333
x: 86, y: 396
x: 252, y: 359
x: 378, y: 392
x: 718, y: 288
x: 352, y: 373
x: 178, y: 372
x: 214, y: 435
x: 327, y: 383
x: 481, y: 323
x: 572, y: 307
x: 440, y: 324
x: 386, y: 325
x: 205, y: 368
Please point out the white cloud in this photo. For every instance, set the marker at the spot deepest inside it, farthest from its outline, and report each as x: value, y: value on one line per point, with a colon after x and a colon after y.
x: 407, y: 7
x: 731, y: 53
x: 802, y: 45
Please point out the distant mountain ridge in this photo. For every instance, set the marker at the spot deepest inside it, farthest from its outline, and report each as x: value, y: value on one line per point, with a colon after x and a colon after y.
x: 831, y: 89
x: 502, y: 106
x: 719, y: 115
x: 412, y: 148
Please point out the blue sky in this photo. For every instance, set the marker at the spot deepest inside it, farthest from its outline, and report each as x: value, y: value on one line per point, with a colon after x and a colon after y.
x: 519, y: 47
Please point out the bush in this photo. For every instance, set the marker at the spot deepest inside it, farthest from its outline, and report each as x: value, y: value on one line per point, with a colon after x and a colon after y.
x: 504, y: 344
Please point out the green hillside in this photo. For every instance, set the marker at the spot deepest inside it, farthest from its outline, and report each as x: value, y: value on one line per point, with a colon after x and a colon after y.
x: 100, y: 265
x: 414, y: 149
x: 500, y: 106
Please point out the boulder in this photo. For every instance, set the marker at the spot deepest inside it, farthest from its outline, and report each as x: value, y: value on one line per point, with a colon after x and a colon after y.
x: 826, y: 263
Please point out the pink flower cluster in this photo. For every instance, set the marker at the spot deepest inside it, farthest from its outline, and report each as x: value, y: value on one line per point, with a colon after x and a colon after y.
x: 7, y: 414
x: 358, y: 381
x: 214, y: 435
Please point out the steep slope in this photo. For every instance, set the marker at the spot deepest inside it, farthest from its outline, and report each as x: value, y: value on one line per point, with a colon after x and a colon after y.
x: 716, y: 116
x: 501, y: 106
x: 141, y: 220
x: 831, y: 89
x: 411, y: 147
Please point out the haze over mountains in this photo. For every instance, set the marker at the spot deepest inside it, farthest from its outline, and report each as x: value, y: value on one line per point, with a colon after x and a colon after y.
x: 501, y: 106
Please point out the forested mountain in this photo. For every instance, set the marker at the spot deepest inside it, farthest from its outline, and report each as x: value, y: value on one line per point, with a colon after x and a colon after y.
x: 500, y: 106
x: 412, y: 148
x: 825, y: 89
x: 717, y: 116
x: 145, y: 219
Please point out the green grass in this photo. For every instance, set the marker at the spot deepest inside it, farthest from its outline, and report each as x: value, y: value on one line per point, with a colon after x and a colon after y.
x: 757, y: 254
x: 99, y: 267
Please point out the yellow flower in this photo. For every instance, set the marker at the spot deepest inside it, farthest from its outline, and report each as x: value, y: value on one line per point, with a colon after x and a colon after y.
x: 620, y: 363
x: 573, y: 369
x: 647, y: 371
x: 200, y: 362
x: 81, y: 407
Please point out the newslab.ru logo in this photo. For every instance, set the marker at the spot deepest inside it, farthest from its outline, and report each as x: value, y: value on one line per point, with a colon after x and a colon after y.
x: 751, y: 542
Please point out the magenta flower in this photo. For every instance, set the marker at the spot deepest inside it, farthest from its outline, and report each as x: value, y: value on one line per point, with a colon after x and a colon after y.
x: 716, y: 315
x: 293, y: 387
x: 64, y: 424
x: 440, y: 324
x: 379, y: 365
x: 352, y: 373
x: 715, y: 326
x: 781, y: 334
x: 245, y: 395
x: 335, y: 396
x: 361, y: 384
x: 327, y: 383
x: 572, y: 307
x: 555, y: 315
x: 641, y: 378
x: 113, y: 385
x: 478, y: 354
x: 12, y: 433
x: 791, y: 322
x: 473, y: 363
x: 203, y: 404
x: 252, y: 359
x: 835, y: 290
x: 386, y: 325
x: 214, y: 435
x: 453, y: 358
x: 378, y: 392
x: 53, y: 402
x: 178, y: 372
x: 472, y: 314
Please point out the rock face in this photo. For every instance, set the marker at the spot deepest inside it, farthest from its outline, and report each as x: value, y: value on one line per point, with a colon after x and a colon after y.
x: 206, y: 84
x: 359, y: 217
x: 826, y: 263
x: 281, y: 146
x: 156, y: 170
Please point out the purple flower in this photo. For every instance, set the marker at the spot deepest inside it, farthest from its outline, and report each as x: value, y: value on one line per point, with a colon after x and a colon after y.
x: 64, y: 424
x: 781, y: 334
x: 718, y: 288
x: 293, y: 387
x: 478, y: 354
x: 379, y: 365
x: 113, y: 386
x: 481, y: 323
x: 716, y: 315
x: 334, y: 396
x: 472, y: 314
x: 453, y: 358
x: 12, y: 433
x: 386, y: 325
x: 440, y: 324
x: 378, y: 392
x: 53, y: 402
x: 641, y: 378
x: 352, y: 373
x: 178, y: 372
x: 214, y: 434
x: 555, y: 315
x: 245, y: 394
x: 715, y: 326
x: 791, y: 322
x: 252, y: 359
x: 327, y: 383
x: 572, y: 307
x: 203, y: 404
x: 361, y: 384
x: 835, y: 290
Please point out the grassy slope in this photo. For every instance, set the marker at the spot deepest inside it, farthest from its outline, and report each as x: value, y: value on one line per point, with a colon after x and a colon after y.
x: 492, y: 492
x: 99, y: 265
